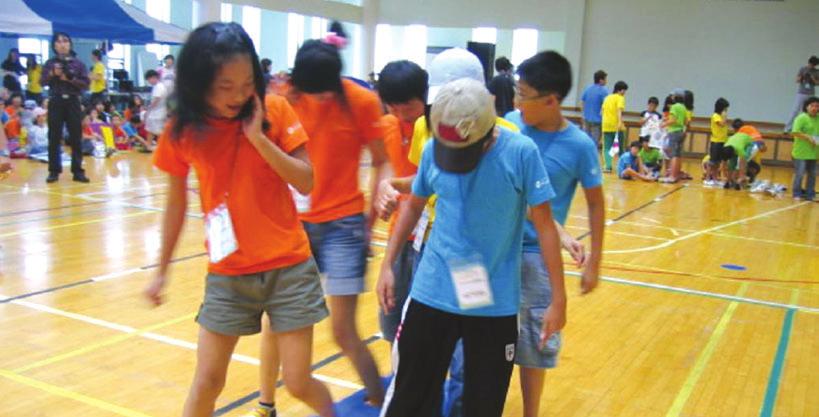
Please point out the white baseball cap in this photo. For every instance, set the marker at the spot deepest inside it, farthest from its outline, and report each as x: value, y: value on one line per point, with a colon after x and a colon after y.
x: 462, y: 118
x: 450, y: 65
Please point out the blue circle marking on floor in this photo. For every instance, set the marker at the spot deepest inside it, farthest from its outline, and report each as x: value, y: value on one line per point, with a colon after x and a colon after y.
x: 733, y: 267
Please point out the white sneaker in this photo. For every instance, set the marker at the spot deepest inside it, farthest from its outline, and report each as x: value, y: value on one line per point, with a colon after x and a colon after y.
x: 708, y: 183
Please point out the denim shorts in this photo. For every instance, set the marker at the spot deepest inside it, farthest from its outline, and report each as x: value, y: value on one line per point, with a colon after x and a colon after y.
x: 535, y: 297
x: 675, y: 143
x: 290, y: 296
x: 340, y: 249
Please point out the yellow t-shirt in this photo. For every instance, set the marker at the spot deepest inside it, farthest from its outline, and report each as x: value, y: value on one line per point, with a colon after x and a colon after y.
x: 34, y: 80
x: 611, y: 104
x: 719, y: 134
x: 98, y: 86
x: 420, y: 136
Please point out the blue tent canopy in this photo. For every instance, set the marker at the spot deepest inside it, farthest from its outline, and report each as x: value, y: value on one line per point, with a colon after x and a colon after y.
x: 111, y: 20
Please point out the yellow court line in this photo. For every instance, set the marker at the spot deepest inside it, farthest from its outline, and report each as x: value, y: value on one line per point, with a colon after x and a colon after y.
x: 95, y: 346
x: 62, y: 226
x: 704, y: 357
x: 705, y: 231
x: 71, y: 395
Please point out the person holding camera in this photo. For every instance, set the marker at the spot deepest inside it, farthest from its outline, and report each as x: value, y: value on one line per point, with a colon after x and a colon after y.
x: 67, y: 79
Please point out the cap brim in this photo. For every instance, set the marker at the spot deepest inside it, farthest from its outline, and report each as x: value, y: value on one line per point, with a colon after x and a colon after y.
x: 458, y: 160
x: 433, y: 92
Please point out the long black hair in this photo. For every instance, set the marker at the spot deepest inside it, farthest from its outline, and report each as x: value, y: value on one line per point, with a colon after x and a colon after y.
x: 317, y: 68
x: 208, y: 48
x: 65, y: 35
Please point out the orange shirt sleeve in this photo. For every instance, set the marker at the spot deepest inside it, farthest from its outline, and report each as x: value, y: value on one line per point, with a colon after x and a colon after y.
x: 368, y: 112
x: 285, y: 128
x: 168, y: 156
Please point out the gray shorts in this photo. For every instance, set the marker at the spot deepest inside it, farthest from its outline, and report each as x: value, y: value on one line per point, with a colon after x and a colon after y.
x: 291, y: 297
x: 535, y: 297
x: 675, y: 143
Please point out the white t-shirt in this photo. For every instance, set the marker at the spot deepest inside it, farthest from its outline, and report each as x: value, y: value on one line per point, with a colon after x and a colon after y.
x: 155, y: 119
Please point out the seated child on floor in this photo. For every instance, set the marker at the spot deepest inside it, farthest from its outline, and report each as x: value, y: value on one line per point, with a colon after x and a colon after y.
x: 629, y: 166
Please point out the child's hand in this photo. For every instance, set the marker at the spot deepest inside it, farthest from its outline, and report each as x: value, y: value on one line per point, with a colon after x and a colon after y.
x: 553, y: 320
x: 589, y: 279
x: 253, y: 127
x: 384, y: 289
x: 386, y: 200
x: 153, y: 292
x: 5, y: 167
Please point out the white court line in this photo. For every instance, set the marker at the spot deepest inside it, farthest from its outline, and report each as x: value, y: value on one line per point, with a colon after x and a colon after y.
x: 162, y: 338
x: 704, y: 231
x: 708, y: 294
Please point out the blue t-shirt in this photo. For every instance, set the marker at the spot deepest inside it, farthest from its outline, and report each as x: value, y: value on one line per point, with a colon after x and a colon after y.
x: 479, y: 213
x: 627, y: 160
x: 593, y: 98
x: 569, y: 156
x: 129, y: 130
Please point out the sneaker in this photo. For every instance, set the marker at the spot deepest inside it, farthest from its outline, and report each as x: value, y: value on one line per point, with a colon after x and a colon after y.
x: 737, y: 187
x: 81, y: 178
x: 260, y: 411
x: 52, y: 178
x: 708, y: 183
x: 607, y: 170
x: 727, y: 185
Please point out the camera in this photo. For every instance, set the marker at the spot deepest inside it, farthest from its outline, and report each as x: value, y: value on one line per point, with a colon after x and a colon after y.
x: 61, y: 66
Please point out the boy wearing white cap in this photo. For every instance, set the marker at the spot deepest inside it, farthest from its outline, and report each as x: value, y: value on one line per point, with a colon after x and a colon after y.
x: 467, y: 285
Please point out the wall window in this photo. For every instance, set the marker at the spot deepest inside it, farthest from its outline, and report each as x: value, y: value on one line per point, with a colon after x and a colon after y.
x: 159, y: 9
x: 119, y: 57
x: 318, y: 27
x: 415, y: 44
x: 32, y: 46
x: 295, y: 36
x: 195, y: 14
x: 485, y: 35
x: 227, y: 12
x: 383, y: 46
x: 524, y: 45
x: 252, y: 22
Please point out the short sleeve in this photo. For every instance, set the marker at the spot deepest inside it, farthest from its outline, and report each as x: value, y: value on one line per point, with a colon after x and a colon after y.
x: 420, y: 135
x: 588, y: 167
x: 285, y: 130
x: 421, y: 185
x: 168, y: 156
x: 621, y: 103
x: 585, y: 96
x: 536, y: 185
x: 368, y: 112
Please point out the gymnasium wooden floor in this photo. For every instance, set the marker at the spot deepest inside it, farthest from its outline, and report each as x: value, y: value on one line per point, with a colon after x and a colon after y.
x: 670, y: 332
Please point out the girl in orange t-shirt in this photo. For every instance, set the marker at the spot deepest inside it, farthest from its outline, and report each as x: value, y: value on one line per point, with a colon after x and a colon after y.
x: 342, y: 119
x: 246, y: 153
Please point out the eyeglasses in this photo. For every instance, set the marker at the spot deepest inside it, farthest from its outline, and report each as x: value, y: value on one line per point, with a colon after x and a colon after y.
x: 521, y: 97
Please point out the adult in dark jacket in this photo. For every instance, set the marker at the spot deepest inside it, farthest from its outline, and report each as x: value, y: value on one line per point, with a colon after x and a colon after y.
x: 67, y: 79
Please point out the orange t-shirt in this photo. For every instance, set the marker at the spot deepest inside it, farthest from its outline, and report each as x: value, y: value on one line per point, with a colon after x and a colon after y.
x: 397, y: 141
x: 267, y: 227
x: 13, y: 128
x: 750, y: 131
x: 338, y: 132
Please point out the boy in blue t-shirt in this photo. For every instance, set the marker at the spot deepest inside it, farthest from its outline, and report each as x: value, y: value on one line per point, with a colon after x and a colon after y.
x: 467, y: 285
x: 630, y: 167
x: 569, y: 157
x: 131, y: 129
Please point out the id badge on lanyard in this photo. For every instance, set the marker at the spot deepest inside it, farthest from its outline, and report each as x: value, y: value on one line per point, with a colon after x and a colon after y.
x: 471, y: 282
x: 221, y: 238
x: 302, y: 201
x: 421, y: 230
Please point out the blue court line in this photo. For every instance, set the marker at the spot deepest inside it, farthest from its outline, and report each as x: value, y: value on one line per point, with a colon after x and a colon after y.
x: 90, y: 281
x: 250, y: 397
x: 47, y: 290
x: 779, y: 362
x: 636, y: 209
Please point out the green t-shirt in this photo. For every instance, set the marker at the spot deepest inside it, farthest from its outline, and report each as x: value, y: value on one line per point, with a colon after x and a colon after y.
x: 650, y: 156
x: 810, y: 126
x: 740, y: 142
x: 679, y: 112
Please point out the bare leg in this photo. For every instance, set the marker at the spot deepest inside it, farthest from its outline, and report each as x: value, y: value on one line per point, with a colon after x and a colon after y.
x: 212, y: 359
x: 296, y: 349
x: 345, y: 332
x: 531, y: 386
x: 269, y: 369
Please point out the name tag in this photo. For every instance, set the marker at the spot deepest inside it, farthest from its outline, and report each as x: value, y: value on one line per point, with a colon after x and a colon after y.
x: 420, y: 230
x: 302, y: 201
x: 471, y: 284
x: 221, y: 238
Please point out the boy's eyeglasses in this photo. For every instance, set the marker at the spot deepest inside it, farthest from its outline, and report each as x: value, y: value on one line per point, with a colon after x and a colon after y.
x: 521, y: 97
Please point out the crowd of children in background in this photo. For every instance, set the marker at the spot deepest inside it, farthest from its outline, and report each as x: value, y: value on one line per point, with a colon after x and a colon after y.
x: 734, y: 157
